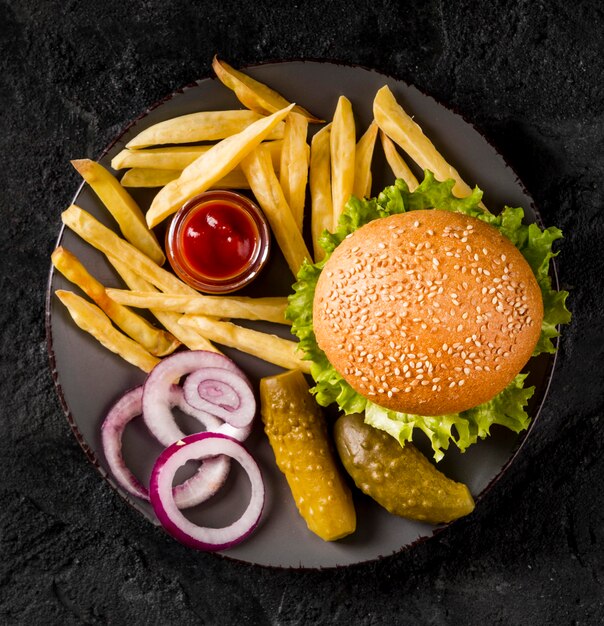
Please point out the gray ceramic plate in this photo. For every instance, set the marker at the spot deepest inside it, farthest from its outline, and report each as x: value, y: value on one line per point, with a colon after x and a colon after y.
x: 89, y: 378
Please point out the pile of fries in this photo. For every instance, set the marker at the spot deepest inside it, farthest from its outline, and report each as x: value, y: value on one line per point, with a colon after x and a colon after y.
x: 263, y: 148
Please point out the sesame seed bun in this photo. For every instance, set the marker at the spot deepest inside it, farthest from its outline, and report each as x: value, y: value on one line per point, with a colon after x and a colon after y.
x: 427, y: 312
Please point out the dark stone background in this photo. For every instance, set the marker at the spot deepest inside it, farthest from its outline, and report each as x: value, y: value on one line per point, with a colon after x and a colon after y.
x: 529, y: 75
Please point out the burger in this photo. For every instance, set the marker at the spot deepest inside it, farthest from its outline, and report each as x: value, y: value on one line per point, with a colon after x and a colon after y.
x: 428, y: 312
x: 425, y: 311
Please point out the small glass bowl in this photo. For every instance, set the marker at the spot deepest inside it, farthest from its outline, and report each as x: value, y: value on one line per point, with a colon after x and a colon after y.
x: 186, y: 271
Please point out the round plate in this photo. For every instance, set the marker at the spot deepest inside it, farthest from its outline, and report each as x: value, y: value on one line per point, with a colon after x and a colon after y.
x: 89, y: 378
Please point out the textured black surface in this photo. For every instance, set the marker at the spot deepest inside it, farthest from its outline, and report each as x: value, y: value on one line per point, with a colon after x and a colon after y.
x: 529, y: 76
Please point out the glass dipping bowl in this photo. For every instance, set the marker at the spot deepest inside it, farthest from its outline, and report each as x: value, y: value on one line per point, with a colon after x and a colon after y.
x: 218, y: 242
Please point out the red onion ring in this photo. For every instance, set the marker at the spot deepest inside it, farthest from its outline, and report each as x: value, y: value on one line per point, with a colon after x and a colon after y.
x: 156, y: 409
x: 206, y: 482
x: 202, y: 446
x: 112, y: 429
x: 222, y: 393
x: 176, y: 398
x: 201, y: 486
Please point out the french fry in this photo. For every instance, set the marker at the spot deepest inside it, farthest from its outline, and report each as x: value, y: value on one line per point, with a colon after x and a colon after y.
x: 362, y: 162
x: 122, y: 206
x: 110, y: 244
x: 261, y: 176
x: 164, y: 158
x: 154, y: 177
x: 294, y: 165
x: 92, y: 320
x: 392, y: 119
x: 156, y: 341
x: 253, y: 94
x: 266, y: 309
x: 320, y: 189
x: 343, y: 146
x: 268, y: 347
x: 210, y: 167
x: 174, y: 157
x: 187, y: 336
x: 197, y: 127
x: 142, y: 177
x: 397, y: 164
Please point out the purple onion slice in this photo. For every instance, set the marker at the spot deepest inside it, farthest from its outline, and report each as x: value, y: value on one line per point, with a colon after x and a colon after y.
x: 201, y: 446
x: 201, y: 486
x: 121, y: 413
x: 156, y: 410
x: 222, y: 393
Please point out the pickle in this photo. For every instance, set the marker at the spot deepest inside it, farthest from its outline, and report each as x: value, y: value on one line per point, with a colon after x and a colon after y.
x: 401, y: 479
x: 297, y: 432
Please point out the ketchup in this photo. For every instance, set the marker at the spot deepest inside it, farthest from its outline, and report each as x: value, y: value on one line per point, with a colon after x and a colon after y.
x: 218, y: 241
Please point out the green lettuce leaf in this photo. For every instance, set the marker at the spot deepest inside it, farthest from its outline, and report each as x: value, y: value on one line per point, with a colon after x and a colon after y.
x: 506, y: 409
x: 465, y: 428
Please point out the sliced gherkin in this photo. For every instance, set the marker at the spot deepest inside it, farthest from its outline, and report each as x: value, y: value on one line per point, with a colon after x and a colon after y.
x: 297, y: 432
x: 401, y: 479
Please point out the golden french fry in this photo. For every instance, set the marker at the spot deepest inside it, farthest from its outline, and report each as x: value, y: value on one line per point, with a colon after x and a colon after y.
x: 92, y: 320
x: 122, y: 206
x: 142, y: 177
x: 210, y: 167
x: 266, y: 309
x: 187, y: 336
x: 294, y: 165
x: 397, y: 164
x: 110, y: 244
x: 343, y: 146
x: 362, y: 162
x: 392, y: 119
x: 156, y: 341
x: 320, y: 188
x: 259, y: 171
x: 268, y: 347
x: 174, y: 157
x: 202, y: 126
x: 164, y: 158
x: 253, y: 94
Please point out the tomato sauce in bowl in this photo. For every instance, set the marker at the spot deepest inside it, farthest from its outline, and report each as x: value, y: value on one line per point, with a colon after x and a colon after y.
x: 218, y: 242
